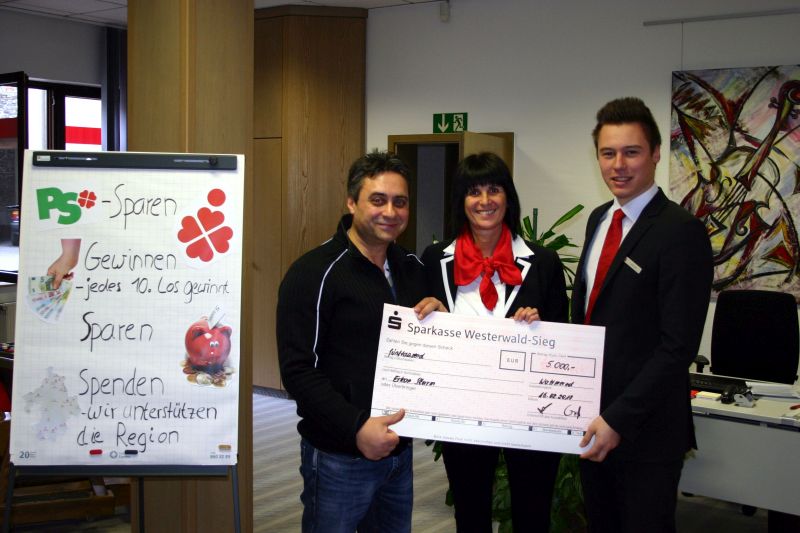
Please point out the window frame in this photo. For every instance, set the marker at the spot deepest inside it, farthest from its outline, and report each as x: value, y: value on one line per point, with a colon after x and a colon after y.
x: 56, y: 96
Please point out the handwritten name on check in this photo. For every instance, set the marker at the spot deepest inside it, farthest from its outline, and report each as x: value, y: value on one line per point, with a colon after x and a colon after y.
x: 490, y: 381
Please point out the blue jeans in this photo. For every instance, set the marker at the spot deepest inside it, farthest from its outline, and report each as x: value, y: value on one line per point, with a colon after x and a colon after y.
x: 343, y: 493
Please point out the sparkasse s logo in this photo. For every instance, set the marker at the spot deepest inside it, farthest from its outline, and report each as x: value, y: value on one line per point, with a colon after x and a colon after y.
x: 395, y: 322
x: 69, y: 205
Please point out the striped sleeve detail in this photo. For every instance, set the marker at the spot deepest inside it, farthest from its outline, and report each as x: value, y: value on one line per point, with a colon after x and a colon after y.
x: 319, y: 300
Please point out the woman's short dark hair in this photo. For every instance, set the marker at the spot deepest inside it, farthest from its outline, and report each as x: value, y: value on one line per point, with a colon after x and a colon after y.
x: 371, y: 165
x: 485, y: 168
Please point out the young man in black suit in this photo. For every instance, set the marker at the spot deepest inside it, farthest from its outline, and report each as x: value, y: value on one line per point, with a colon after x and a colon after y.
x: 652, y: 300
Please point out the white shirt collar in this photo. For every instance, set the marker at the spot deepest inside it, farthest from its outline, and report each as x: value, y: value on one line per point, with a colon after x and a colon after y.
x: 634, y: 207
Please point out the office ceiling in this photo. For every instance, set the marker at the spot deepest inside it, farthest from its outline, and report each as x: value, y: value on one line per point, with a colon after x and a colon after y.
x: 115, y: 12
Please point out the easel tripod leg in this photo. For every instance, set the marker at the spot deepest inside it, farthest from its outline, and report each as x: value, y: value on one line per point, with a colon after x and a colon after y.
x: 9, y: 497
x: 237, y: 522
x: 141, y: 503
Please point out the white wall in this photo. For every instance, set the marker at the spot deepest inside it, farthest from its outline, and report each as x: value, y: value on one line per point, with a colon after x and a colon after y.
x: 52, y: 49
x: 542, y: 69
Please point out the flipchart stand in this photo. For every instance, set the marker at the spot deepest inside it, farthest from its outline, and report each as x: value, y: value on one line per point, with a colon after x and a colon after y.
x: 163, y: 171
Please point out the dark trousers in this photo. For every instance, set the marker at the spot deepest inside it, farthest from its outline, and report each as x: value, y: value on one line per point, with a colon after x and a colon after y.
x: 630, y: 497
x: 531, y: 475
x: 344, y: 494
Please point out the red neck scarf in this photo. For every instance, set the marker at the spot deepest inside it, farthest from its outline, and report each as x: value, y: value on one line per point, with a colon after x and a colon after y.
x: 470, y: 264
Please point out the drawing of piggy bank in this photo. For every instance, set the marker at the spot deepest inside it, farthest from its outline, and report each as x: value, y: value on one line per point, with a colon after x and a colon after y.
x: 207, y: 348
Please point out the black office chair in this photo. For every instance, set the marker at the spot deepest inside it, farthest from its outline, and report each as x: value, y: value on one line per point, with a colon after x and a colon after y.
x: 755, y: 336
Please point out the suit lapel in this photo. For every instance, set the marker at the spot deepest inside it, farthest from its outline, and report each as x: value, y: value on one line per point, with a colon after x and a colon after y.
x: 579, y: 286
x: 524, y: 260
x: 639, y: 229
x: 524, y: 265
x: 448, y: 264
x: 448, y: 277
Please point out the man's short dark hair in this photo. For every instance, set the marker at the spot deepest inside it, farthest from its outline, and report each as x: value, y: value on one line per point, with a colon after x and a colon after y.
x: 624, y: 111
x: 485, y: 168
x: 371, y: 165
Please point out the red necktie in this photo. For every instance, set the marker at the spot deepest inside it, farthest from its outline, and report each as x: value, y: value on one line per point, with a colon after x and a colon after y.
x: 610, y: 247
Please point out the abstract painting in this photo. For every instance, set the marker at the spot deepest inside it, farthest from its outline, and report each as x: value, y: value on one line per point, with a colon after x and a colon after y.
x: 735, y: 164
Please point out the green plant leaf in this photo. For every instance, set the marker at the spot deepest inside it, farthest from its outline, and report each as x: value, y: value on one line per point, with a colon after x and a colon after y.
x: 559, y: 242
x: 546, y: 235
x: 527, y: 228
x: 567, y: 216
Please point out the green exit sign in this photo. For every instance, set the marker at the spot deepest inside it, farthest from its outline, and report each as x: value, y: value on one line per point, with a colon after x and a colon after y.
x: 449, y: 122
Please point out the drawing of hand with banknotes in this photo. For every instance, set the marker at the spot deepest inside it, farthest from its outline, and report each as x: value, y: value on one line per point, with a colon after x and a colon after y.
x: 47, y: 295
x: 62, y: 267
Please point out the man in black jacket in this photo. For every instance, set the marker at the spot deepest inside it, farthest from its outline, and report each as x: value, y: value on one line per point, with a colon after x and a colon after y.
x: 356, y: 470
x: 645, y: 274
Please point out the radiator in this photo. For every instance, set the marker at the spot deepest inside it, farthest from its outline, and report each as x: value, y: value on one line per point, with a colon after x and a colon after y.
x: 8, y: 318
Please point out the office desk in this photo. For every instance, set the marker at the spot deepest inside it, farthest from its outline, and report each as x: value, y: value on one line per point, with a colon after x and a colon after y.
x: 746, y: 455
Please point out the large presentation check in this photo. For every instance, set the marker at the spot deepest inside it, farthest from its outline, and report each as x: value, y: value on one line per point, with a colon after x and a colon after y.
x: 490, y: 381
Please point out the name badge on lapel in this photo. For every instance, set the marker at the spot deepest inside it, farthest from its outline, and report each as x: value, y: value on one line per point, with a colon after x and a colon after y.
x: 633, y: 266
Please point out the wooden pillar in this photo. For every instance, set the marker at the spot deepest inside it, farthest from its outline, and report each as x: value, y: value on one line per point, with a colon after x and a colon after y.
x: 190, y: 89
x: 310, y: 71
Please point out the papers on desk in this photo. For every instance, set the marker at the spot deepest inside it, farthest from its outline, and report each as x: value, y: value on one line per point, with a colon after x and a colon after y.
x: 791, y: 418
x: 777, y: 390
x: 705, y: 395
